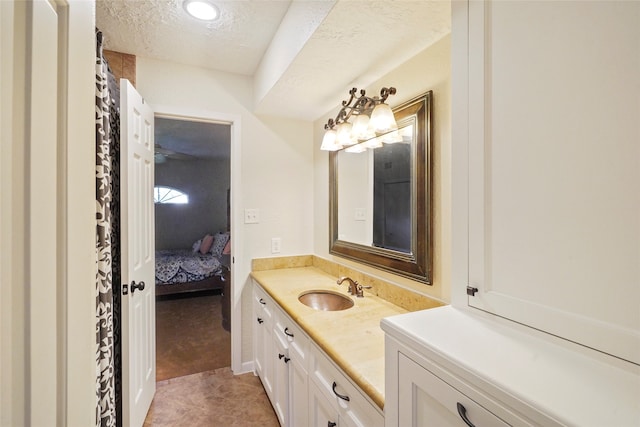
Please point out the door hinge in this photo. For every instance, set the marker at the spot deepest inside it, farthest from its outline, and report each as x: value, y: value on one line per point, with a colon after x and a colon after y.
x: 125, y: 289
x: 471, y: 291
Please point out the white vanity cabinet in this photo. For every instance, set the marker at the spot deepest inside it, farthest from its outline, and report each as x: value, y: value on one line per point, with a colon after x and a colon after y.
x: 427, y: 400
x: 291, y: 370
x: 263, y: 341
x: 299, y: 377
x: 335, y: 399
x: 275, y: 345
x: 281, y: 370
x: 435, y: 359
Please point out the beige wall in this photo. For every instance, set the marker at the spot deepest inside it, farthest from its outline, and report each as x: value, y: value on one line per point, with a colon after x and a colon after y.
x: 271, y: 166
x: 429, y: 70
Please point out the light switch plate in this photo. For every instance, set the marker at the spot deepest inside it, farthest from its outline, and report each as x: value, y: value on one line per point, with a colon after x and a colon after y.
x: 276, y: 245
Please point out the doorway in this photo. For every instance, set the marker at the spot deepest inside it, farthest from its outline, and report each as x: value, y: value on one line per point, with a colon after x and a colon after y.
x: 192, y: 216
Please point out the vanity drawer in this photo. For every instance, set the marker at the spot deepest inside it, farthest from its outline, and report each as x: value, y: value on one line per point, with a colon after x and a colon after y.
x: 426, y: 400
x: 344, y: 396
x: 297, y: 341
x: 263, y: 303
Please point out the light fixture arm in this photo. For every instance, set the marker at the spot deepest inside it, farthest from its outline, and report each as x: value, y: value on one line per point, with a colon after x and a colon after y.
x: 362, y: 105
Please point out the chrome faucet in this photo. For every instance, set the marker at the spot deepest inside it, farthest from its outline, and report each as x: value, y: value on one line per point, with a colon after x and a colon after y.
x: 354, y: 287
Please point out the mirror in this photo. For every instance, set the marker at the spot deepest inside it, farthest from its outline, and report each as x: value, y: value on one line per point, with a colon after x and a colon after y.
x: 380, y: 199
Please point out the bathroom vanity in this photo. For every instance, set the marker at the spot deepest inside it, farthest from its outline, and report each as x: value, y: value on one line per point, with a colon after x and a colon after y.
x: 318, y: 367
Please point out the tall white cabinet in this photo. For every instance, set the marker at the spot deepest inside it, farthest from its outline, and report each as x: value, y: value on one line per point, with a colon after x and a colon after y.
x: 548, y: 175
x: 546, y: 225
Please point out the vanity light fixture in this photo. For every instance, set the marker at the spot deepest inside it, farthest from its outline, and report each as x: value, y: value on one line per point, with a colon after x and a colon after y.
x: 201, y: 9
x: 372, y: 119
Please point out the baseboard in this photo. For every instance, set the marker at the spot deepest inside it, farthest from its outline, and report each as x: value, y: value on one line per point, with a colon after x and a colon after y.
x: 245, y: 368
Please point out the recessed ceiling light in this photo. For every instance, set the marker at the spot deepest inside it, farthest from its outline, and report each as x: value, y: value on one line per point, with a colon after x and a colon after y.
x: 201, y: 9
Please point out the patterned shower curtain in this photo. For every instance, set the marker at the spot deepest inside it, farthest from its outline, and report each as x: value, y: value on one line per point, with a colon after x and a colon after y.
x: 107, y: 243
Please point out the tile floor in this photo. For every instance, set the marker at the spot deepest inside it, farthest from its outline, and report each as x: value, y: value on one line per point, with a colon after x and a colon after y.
x: 196, y: 387
x: 211, y: 399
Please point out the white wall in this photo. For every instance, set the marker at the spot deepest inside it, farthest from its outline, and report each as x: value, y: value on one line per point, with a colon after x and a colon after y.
x: 429, y: 70
x: 276, y: 174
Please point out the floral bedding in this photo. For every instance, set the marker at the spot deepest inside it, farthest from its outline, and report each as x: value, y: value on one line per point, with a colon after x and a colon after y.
x: 183, y: 265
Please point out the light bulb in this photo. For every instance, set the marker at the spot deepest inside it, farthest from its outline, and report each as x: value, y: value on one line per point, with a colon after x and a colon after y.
x: 382, y: 119
x: 361, y: 129
x: 329, y: 141
x: 344, y: 136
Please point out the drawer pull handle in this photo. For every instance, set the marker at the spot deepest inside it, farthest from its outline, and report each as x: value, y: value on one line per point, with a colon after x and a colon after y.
x: 262, y: 301
x: 341, y: 396
x: 331, y: 424
x: 260, y: 320
x: 287, y: 333
x: 462, y: 411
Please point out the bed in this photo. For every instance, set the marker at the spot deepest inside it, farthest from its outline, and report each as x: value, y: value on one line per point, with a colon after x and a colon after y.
x: 183, y: 270
x: 192, y: 270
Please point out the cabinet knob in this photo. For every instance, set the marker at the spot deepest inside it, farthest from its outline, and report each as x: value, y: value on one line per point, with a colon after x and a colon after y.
x: 260, y: 320
x: 262, y: 301
x: 287, y: 333
x: 462, y: 411
x: 281, y: 356
x: 331, y: 424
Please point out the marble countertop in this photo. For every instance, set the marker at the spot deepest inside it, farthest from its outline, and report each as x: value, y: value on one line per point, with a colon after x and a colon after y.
x: 352, y: 338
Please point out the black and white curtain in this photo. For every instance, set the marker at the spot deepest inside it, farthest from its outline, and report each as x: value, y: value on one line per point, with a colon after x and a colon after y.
x: 107, y: 243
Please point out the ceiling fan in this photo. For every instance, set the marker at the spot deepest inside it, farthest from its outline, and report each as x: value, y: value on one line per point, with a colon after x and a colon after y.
x: 162, y: 154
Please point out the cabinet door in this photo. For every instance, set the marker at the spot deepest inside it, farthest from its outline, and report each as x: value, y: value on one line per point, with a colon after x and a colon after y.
x: 281, y: 363
x: 321, y: 412
x: 554, y: 166
x: 425, y: 400
x: 298, y: 392
x: 258, y: 341
x: 263, y: 344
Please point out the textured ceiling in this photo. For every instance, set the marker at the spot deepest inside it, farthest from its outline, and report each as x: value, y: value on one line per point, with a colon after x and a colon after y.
x: 161, y: 29
x: 325, y: 50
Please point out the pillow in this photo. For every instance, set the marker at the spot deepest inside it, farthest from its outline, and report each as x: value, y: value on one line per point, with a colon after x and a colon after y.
x: 206, y: 244
x: 227, y: 248
x: 219, y: 242
x: 196, y: 246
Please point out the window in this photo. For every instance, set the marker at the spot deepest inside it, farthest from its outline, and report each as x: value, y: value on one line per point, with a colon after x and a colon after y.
x: 169, y: 195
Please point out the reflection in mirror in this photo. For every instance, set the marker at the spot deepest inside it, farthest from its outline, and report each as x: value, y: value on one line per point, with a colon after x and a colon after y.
x: 381, y: 198
x: 374, y: 194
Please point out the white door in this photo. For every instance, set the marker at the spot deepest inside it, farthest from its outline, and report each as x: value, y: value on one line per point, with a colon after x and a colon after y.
x: 138, y: 256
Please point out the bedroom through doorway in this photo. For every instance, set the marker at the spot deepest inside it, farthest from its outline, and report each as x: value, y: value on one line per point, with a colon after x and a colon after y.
x: 192, y: 233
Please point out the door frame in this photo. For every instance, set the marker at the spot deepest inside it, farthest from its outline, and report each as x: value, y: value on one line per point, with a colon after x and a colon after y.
x: 234, y: 120
x: 72, y: 360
